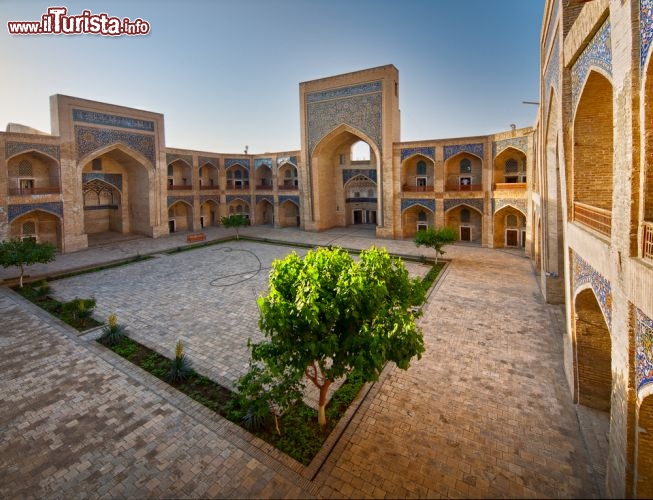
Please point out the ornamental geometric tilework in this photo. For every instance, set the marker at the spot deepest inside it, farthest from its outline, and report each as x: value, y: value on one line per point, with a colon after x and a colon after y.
x: 520, y: 143
x: 552, y: 73
x: 645, y: 29
x: 287, y: 159
x: 519, y: 204
x: 294, y: 199
x: 234, y: 197
x: 91, y: 139
x: 358, y: 106
x: 597, y: 54
x: 14, y: 148
x: 263, y: 161
x: 643, y: 349
x: 429, y: 152
x: 113, y: 179
x: 54, y: 207
x: 475, y: 149
x: 476, y: 203
x: 428, y: 204
x: 584, y: 274
x: 174, y: 199
x: 261, y: 197
x: 173, y: 157
x: 230, y: 162
x: 80, y: 115
x: 207, y: 197
x: 551, y: 28
x: 203, y: 160
x: 349, y: 173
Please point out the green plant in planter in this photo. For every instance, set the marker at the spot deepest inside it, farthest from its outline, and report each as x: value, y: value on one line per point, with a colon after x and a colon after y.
x: 112, y: 333
x: 41, y: 291
x: 180, y: 366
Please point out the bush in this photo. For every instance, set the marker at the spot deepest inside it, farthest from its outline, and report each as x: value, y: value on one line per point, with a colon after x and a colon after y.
x: 112, y: 333
x: 179, y: 366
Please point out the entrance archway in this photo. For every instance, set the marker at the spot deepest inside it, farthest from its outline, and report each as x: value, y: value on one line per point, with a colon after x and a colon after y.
x: 39, y: 225
x: 467, y: 221
x: 180, y: 217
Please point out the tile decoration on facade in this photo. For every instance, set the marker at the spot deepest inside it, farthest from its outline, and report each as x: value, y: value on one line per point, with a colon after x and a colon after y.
x: 287, y: 159
x: 552, y: 73
x: 90, y: 139
x: 551, y: 29
x: 361, y: 200
x: 518, y: 203
x: 407, y: 203
x: 79, y: 115
x: 358, y: 106
x: 429, y: 152
x: 262, y: 161
x: 475, y: 149
x: 597, y: 54
x: 173, y: 157
x: 349, y: 173
x: 261, y: 197
x: 234, y: 197
x: 100, y: 207
x: 520, y: 143
x: 13, y: 148
x: 230, y: 162
x: 203, y: 160
x: 208, y: 197
x: 645, y: 29
x: 583, y: 274
x: 476, y: 203
x: 293, y: 198
x: 174, y: 199
x: 643, y: 349
x: 53, y: 207
x: 114, y: 180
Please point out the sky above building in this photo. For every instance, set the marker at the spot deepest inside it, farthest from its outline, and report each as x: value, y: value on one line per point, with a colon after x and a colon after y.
x: 226, y: 73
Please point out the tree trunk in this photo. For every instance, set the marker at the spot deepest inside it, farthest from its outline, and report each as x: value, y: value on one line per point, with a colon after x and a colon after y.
x: 321, y: 415
x: 22, y: 271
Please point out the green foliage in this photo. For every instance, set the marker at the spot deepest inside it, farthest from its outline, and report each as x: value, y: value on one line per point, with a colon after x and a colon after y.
x: 78, y: 309
x: 435, y: 238
x: 234, y: 221
x: 22, y: 253
x: 179, y: 366
x: 112, y: 333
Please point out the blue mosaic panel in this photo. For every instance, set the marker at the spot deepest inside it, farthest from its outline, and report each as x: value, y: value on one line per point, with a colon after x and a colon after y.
x: 520, y: 143
x: 584, y: 274
x: 114, y: 179
x: 263, y: 161
x: 429, y: 152
x: 552, y: 73
x: 174, y: 199
x: 90, y: 139
x: 597, y: 54
x: 643, y: 349
x: 407, y: 203
x: 363, y: 88
x: 349, y: 173
x: 518, y: 203
x: 79, y: 115
x: 551, y: 29
x: 287, y: 159
x: 230, y: 162
x: 100, y: 207
x: 261, y: 197
x: 173, y: 157
x: 645, y: 29
x: 233, y: 197
x: 476, y: 203
x: 475, y: 149
x: 203, y: 160
x: 53, y: 207
x: 362, y: 112
x: 14, y: 148
x: 361, y: 200
x: 207, y: 197
x: 293, y: 198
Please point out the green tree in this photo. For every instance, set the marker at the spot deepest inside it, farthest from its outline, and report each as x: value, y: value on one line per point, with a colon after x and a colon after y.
x: 235, y: 221
x: 22, y: 253
x: 435, y: 238
x: 326, y: 315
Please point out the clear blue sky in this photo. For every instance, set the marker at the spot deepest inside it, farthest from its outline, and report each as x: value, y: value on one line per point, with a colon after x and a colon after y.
x: 225, y: 73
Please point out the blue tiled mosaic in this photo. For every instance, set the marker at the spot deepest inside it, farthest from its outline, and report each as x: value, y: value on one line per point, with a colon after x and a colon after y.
x: 551, y: 29
x: 476, y: 203
x: 597, y: 54
x: 645, y: 29
x: 173, y: 157
x: 114, y: 179
x: 13, y: 148
x: 520, y: 143
x: 53, y: 207
x: 286, y: 159
x: 79, y: 115
x: 643, y: 349
x: 90, y: 139
x: 174, y: 199
x: 261, y: 197
x: 475, y: 149
x: 207, y: 197
x: 230, y: 162
x: 552, y: 73
x: 428, y: 204
x: 429, y: 152
x: 293, y: 198
x: 349, y: 173
x: 361, y: 200
x: 586, y: 274
x: 234, y: 197
x: 204, y: 160
x: 100, y: 207
x: 263, y: 161
x: 363, y: 88
x: 518, y: 203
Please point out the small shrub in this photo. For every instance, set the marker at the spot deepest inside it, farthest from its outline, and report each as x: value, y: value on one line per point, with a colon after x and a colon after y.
x: 112, y: 333
x: 180, y: 366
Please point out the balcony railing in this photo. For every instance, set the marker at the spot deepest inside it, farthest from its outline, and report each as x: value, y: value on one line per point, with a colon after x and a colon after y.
x: 179, y: 187
x: 240, y: 185
x: 30, y: 191
x: 263, y: 187
x: 509, y: 185
x: 464, y: 187
x: 417, y: 189
x: 598, y: 219
x: 209, y: 186
x: 289, y: 186
x: 647, y: 240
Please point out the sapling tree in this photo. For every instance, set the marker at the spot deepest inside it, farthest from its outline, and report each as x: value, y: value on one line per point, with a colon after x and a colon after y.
x: 234, y: 221
x: 435, y: 238
x: 22, y: 253
x: 326, y: 315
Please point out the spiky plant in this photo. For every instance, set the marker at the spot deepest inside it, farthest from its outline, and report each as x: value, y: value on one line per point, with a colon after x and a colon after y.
x: 179, y: 366
x: 112, y: 332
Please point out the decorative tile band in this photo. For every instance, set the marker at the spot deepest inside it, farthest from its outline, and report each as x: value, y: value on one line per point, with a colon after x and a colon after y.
x: 264, y: 197
x: 551, y: 29
x: 583, y: 274
x: 230, y: 162
x: 207, y: 197
x: 552, y: 73
x: 598, y: 54
x: 643, y: 349
x: 79, y: 115
x: 363, y: 88
x: 234, y: 197
x: 293, y: 198
x: 428, y: 204
x: 350, y: 173
x: 475, y: 149
x: 476, y: 203
x: 113, y: 179
x: 429, y: 152
x: 287, y: 159
x: 645, y: 29
x: 13, y: 148
x: 174, y: 199
x: 518, y: 203
x: 204, y: 160
x: 90, y: 139
x: 520, y: 143
x: 263, y: 161
x: 361, y: 200
x: 100, y: 207
x: 53, y: 207
x: 173, y: 157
